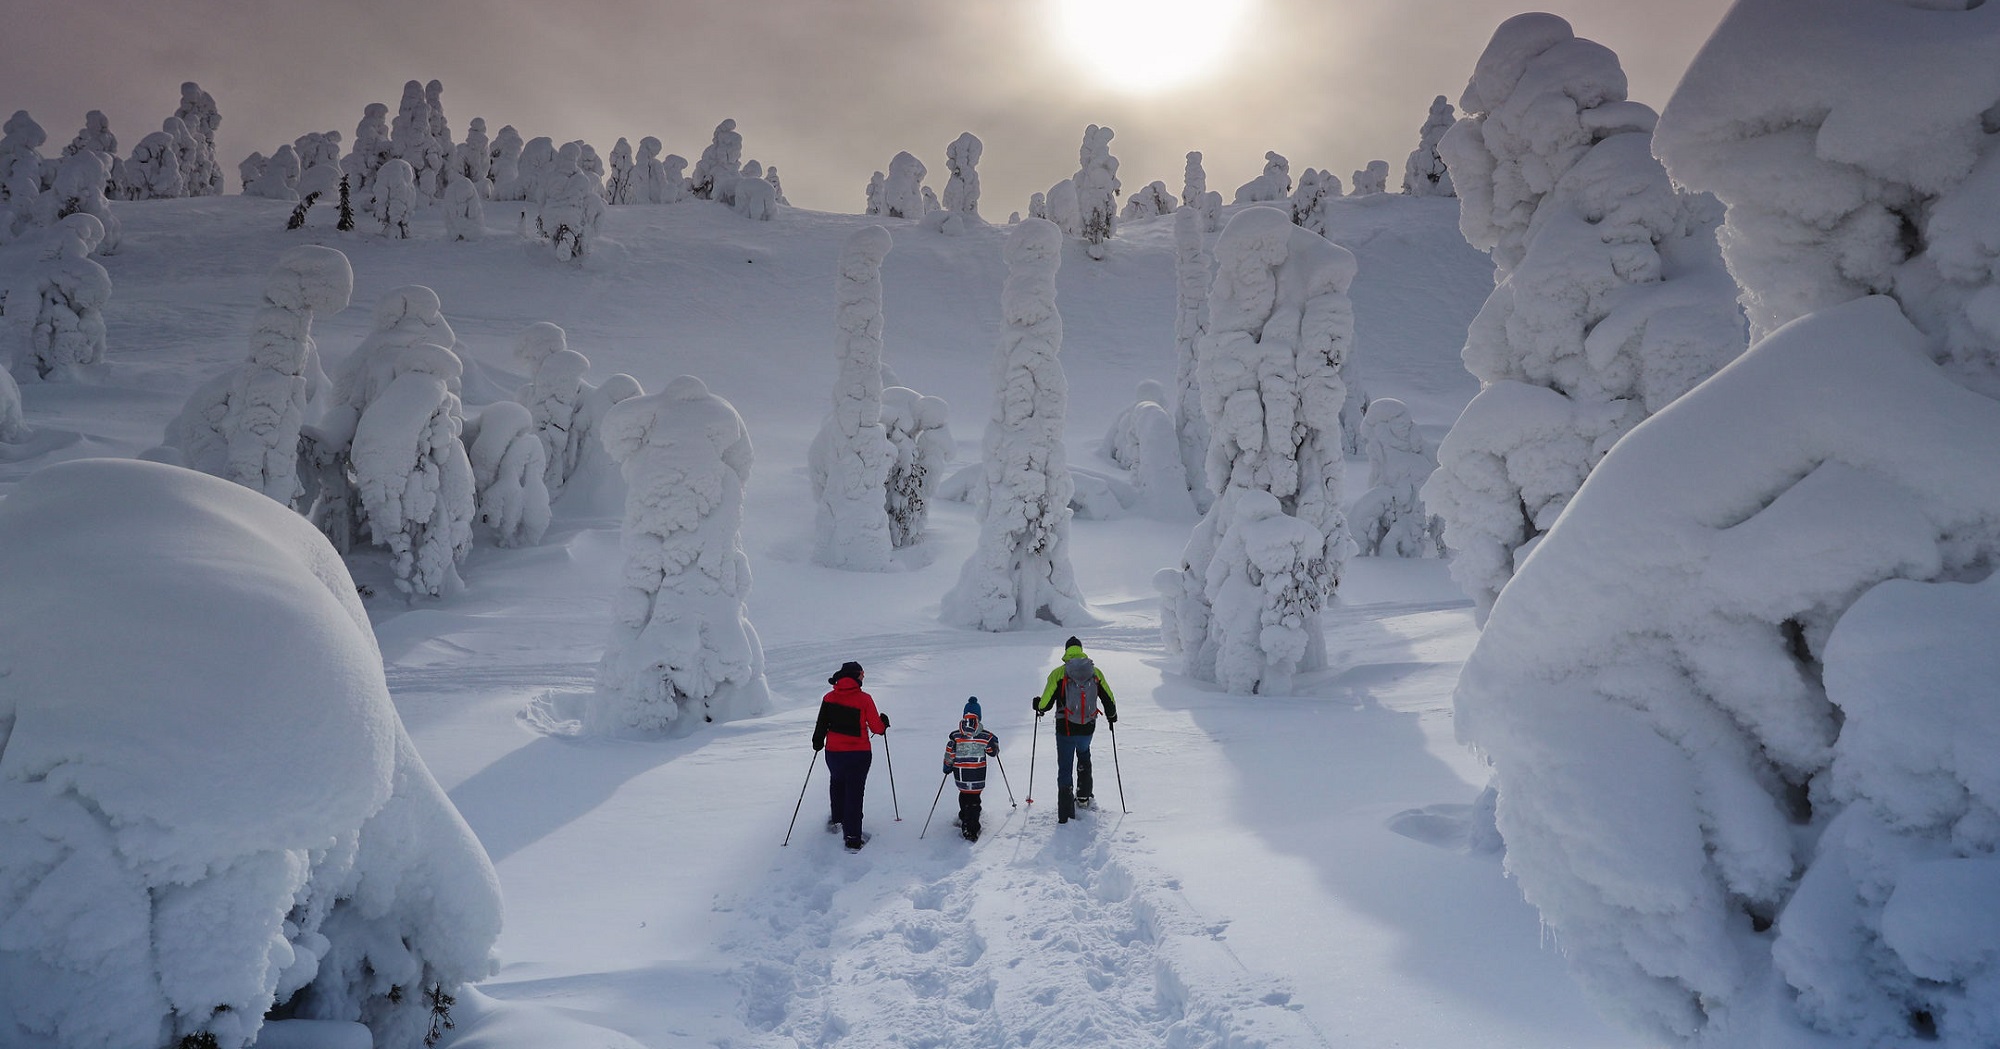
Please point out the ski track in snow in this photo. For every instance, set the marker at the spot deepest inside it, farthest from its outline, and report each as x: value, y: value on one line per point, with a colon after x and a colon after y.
x: 1036, y: 936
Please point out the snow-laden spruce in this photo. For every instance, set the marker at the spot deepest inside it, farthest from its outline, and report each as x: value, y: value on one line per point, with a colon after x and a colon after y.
x: 244, y: 425
x: 1268, y: 554
x: 1097, y: 185
x: 1738, y: 701
x: 372, y: 147
x: 1193, y: 273
x: 66, y: 335
x: 565, y: 408
x: 681, y: 650
x: 1610, y: 297
x: 1121, y: 441
x: 1274, y: 183
x: 1194, y: 181
x: 919, y: 427
x: 95, y: 136
x: 410, y: 137
x: 464, y: 213
x: 442, y: 146
x: 1149, y: 201
x: 1389, y: 520
x: 961, y: 190
x: 1142, y: 439
x: 395, y: 197
x: 319, y: 163
x: 618, y: 181
x: 851, y: 457
x: 274, y: 179
x: 472, y: 159
x: 572, y: 207
x: 390, y: 464
x: 20, y: 175
x: 903, y: 189
x: 503, y: 169
x: 1424, y: 173
x: 13, y: 424
x: 1020, y: 574
x: 508, y: 464
x: 200, y: 117
x: 203, y: 817
x: 78, y: 188
x: 720, y: 162
x: 1310, y: 199
x: 1372, y: 179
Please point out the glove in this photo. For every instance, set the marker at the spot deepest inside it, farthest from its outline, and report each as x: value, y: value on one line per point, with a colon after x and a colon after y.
x: 885, y: 720
x: 1111, y: 716
x: 818, y: 744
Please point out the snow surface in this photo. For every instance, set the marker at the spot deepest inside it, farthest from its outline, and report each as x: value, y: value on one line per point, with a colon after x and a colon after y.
x: 1255, y: 889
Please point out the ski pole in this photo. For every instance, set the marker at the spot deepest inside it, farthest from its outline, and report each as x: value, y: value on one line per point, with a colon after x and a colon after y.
x: 1003, y: 779
x: 802, y: 799
x: 1036, y: 741
x: 1114, y: 767
x: 934, y: 801
x: 892, y: 775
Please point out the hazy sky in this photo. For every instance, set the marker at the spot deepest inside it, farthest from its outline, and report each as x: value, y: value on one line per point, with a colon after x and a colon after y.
x: 828, y: 90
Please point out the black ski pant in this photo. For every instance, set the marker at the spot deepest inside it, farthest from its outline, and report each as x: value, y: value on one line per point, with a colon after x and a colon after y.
x: 847, y: 778
x: 968, y: 812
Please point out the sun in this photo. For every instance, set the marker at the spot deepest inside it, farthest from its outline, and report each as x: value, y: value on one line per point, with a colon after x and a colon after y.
x: 1150, y: 46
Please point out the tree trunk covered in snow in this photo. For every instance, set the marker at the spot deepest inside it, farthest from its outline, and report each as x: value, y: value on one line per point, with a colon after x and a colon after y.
x: 851, y: 458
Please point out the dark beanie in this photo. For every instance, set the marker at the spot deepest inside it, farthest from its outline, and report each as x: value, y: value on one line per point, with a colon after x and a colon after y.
x: 847, y: 669
x: 972, y: 706
x: 1073, y: 642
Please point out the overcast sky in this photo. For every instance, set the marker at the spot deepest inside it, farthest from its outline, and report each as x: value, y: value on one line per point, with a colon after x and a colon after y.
x: 828, y: 90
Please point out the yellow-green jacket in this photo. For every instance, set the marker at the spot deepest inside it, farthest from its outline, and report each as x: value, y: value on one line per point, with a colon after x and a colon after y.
x: 1047, y: 702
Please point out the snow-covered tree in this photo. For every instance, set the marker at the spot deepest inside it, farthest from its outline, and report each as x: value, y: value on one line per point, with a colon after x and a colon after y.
x: 872, y: 201
x: 1096, y: 191
x: 618, y: 188
x: 276, y: 178
x: 67, y: 332
x: 13, y: 423
x: 1389, y: 519
x: 504, y: 171
x: 1738, y: 702
x: 564, y: 407
x: 414, y: 479
x: 755, y: 199
x: 464, y: 214
x: 1194, y: 181
x: 649, y: 175
x: 396, y: 197
x: 79, y: 189
x: 572, y: 206
x: 1193, y: 273
x: 680, y: 645
x: 250, y: 169
x: 961, y: 190
x: 1061, y: 207
x: 1268, y: 555
x: 675, y: 186
x: 200, y: 117
x: 410, y: 137
x: 373, y: 147
x: 777, y: 187
x: 1424, y: 173
x: 408, y: 326
x: 20, y: 174
x: 245, y: 424
x: 720, y: 162
x: 1275, y: 183
x: 196, y: 159
x: 153, y: 172
x: 1020, y: 574
x: 589, y: 162
x: 1610, y: 297
x: 851, y: 457
x: 1121, y: 441
x: 508, y: 466
x: 233, y: 810
x: 472, y: 159
x: 442, y: 146
x: 95, y: 136
x: 1151, y: 201
x: 319, y: 162
x: 1309, y: 201
x: 903, y: 190
x: 1372, y: 179
x: 919, y: 428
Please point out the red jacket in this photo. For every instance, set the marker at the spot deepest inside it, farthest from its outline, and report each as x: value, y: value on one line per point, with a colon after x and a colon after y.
x: 846, y: 716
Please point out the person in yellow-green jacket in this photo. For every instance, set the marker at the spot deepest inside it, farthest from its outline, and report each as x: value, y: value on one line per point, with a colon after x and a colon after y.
x: 1076, y: 690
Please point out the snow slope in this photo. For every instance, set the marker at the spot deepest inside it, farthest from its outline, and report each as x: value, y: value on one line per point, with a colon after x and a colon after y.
x: 1291, y: 870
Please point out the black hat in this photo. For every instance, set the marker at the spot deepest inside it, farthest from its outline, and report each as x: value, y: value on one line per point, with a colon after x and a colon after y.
x: 847, y: 669
x: 1073, y: 641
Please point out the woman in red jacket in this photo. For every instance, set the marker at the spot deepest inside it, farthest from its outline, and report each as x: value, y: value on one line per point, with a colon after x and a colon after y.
x: 846, y: 716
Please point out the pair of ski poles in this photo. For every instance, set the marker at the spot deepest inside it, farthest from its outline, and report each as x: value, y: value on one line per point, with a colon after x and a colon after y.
x: 891, y: 758
x: 947, y: 778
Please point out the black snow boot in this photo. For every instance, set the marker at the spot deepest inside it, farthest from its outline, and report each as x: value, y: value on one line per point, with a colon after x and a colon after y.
x: 1083, y: 781
x: 1065, y: 806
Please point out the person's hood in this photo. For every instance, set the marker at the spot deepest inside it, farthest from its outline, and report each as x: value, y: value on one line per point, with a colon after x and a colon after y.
x: 1072, y: 652
x: 969, y: 722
